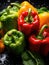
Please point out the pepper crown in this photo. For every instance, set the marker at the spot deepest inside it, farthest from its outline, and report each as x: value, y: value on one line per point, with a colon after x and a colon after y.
x: 29, y: 18
x: 40, y: 36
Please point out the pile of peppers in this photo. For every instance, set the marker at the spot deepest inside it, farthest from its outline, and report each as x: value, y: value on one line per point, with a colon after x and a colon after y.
x: 40, y: 43
x: 28, y: 23
x: 38, y: 38
x: 28, y: 28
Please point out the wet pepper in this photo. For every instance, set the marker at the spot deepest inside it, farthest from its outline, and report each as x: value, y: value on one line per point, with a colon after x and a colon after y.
x: 14, y: 40
x: 28, y: 22
x: 40, y: 43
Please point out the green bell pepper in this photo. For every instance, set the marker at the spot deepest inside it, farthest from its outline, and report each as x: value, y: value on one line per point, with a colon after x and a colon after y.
x: 9, y: 16
x: 14, y: 40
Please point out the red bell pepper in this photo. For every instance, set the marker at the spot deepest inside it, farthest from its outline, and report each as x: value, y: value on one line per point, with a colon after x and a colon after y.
x: 34, y: 43
x: 39, y: 43
x: 28, y: 22
x: 46, y: 32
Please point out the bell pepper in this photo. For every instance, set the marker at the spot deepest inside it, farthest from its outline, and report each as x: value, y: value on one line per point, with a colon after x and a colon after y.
x: 44, y: 18
x: 46, y: 32
x: 28, y: 22
x: 2, y: 46
x: 8, y: 17
x: 25, y: 6
x: 39, y: 43
x: 1, y: 30
x: 14, y: 41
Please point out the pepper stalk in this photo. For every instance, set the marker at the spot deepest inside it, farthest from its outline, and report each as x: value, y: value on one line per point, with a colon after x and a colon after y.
x: 41, y: 31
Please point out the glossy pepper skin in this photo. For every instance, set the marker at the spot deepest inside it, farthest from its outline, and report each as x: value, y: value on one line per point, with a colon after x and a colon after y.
x: 14, y: 40
x: 39, y: 43
x: 43, y: 13
x: 44, y: 18
x: 46, y: 32
x: 28, y: 27
x: 25, y: 5
x: 34, y: 43
x: 9, y: 16
x: 44, y: 50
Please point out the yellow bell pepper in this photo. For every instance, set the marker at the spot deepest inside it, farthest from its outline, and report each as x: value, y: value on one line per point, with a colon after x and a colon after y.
x: 44, y: 18
x: 25, y: 6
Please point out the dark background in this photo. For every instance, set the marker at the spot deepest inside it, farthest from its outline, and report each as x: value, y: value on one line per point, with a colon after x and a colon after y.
x: 36, y: 3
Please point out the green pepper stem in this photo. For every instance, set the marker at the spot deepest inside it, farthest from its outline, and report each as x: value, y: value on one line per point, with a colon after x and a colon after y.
x: 29, y: 12
x: 42, y: 29
x: 16, y: 4
x: 8, y: 11
x: 29, y: 15
x: 13, y: 37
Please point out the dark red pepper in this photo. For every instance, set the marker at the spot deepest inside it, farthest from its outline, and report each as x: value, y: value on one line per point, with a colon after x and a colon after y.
x: 44, y: 49
x: 34, y: 43
x: 28, y: 22
x: 40, y: 43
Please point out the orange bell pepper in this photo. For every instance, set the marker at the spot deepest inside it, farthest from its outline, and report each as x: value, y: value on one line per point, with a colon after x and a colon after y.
x: 2, y: 46
x: 25, y: 6
x: 44, y: 18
